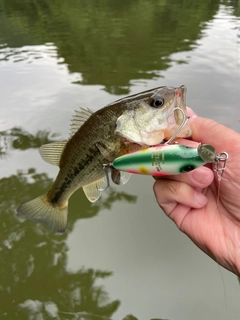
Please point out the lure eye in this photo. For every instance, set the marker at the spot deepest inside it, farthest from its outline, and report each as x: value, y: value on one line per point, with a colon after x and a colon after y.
x: 157, y: 102
x: 187, y: 168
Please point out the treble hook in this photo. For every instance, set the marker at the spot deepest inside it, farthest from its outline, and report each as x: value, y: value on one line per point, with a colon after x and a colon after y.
x: 182, y: 125
x: 105, y: 168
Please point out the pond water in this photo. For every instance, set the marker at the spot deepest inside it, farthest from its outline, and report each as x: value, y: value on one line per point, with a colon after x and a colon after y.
x: 120, y: 258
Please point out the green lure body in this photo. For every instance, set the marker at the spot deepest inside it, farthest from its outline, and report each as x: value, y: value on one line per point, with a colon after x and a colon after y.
x: 160, y: 160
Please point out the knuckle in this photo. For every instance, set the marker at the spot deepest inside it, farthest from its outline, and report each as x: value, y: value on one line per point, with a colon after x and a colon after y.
x: 175, y: 187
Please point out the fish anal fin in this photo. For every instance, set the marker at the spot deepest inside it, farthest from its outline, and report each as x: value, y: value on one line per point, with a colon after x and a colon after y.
x: 125, y: 176
x: 92, y: 190
x: 78, y: 119
x: 120, y: 177
x: 116, y: 176
x: 52, y: 152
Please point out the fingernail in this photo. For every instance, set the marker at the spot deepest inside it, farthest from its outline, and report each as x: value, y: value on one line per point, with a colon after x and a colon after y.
x: 193, y: 116
x: 191, y: 113
x: 200, y: 198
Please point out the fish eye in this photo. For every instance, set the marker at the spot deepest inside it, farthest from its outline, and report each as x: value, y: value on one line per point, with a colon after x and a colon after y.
x: 157, y: 102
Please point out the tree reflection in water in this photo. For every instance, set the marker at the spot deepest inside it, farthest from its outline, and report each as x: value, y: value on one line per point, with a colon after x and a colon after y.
x: 34, y: 282
x: 18, y: 138
x: 109, y: 43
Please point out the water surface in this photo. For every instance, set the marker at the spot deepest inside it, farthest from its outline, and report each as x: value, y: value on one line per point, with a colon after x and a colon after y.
x: 120, y: 256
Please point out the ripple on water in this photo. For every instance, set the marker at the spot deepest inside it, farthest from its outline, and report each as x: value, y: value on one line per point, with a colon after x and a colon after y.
x: 29, y: 54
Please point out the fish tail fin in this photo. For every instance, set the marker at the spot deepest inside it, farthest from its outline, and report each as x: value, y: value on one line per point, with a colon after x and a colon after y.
x: 42, y: 210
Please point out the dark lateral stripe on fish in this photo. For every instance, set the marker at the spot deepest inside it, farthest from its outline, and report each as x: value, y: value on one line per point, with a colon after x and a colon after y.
x: 71, y: 175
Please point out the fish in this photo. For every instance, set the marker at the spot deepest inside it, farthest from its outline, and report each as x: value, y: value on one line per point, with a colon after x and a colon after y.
x: 96, y: 138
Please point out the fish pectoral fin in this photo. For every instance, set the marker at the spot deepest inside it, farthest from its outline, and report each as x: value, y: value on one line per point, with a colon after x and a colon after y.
x: 52, y: 152
x: 93, y: 190
x: 78, y: 119
x: 108, y: 149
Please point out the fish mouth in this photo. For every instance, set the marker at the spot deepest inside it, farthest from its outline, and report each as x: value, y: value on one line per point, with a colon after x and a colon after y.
x: 175, y: 116
x: 180, y: 96
x: 178, y: 117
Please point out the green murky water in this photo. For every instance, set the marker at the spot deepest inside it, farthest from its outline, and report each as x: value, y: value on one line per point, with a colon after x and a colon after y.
x: 120, y: 258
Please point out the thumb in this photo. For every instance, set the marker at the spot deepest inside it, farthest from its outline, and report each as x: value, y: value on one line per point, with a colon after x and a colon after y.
x: 211, y: 132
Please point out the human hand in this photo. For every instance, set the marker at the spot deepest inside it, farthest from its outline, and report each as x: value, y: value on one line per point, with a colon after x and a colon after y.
x: 207, y: 210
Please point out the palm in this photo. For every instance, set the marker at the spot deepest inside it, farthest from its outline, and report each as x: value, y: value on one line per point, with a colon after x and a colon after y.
x: 206, y: 210
x: 215, y: 227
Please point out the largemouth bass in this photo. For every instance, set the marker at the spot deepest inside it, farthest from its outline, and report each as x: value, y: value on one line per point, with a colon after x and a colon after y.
x: 126, y: 125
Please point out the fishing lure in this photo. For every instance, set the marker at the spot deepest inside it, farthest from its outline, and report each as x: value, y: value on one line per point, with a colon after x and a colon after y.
x: 169, y: 159
x: 165, y: 159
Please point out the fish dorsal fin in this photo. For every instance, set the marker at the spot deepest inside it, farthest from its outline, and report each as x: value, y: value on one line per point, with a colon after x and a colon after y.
x: 79, y: 118
x: 92, y: 190
x: 52, y: 152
